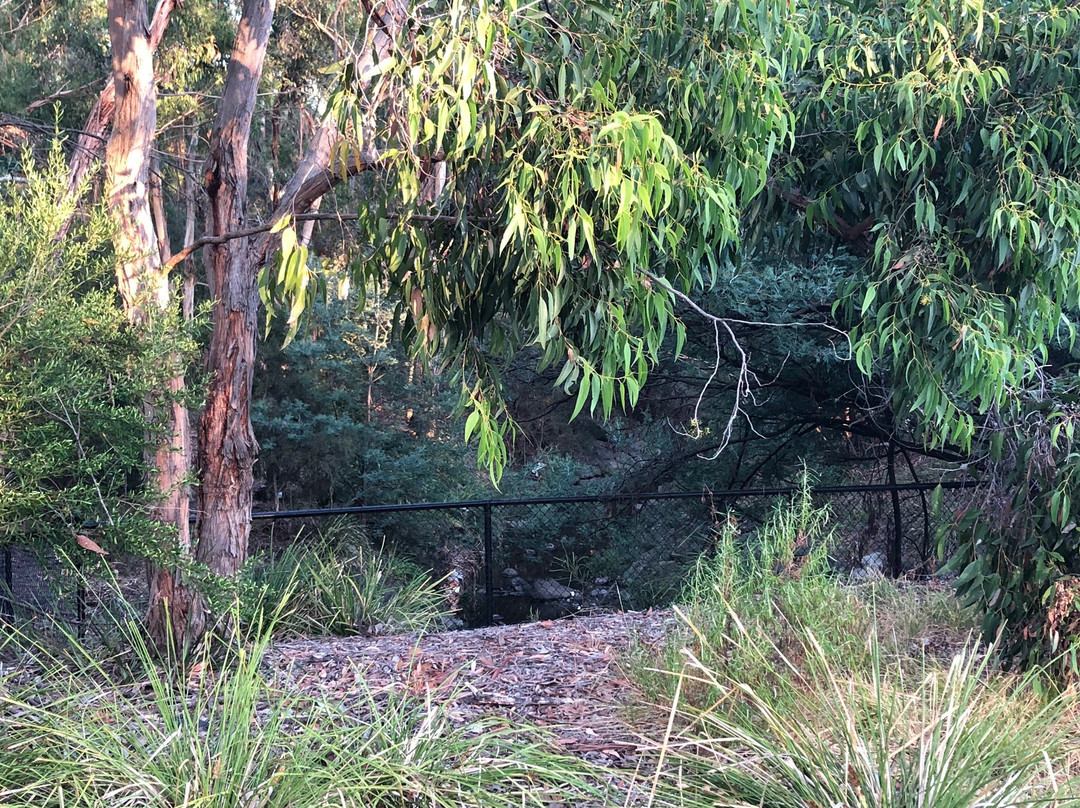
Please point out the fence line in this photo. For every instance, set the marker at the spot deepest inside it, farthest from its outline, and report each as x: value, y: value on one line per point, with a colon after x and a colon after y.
x: 735, y: 493
x: 499, y: 532
x: 543, y: 556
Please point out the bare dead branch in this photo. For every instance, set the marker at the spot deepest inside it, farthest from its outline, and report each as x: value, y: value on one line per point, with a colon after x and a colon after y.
x: 746, y: 380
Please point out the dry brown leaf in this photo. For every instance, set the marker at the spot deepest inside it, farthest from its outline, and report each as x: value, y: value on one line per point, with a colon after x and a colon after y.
x: 194, y: 679
x: 87, y: 543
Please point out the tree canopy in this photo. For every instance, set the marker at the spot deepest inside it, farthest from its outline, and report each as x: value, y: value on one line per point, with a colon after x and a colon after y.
x: 560, y: 175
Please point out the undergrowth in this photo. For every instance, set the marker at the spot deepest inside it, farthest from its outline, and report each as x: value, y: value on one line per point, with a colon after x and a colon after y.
x: 221, y: 735
x: 790, y: 687
x: 340, y: 584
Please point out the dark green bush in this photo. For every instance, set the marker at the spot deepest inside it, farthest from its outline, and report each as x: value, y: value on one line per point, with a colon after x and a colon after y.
x: 75, y: 379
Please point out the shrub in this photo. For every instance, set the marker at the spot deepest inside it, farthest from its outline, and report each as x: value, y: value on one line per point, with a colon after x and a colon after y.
x: 791, y: 687
x: 814, y: 732
x: 341, y: 585
x: 74, y: 378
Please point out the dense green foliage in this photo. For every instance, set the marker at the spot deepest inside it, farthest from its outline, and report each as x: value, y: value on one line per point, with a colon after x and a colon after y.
x: 548, y: 185
x: 582, y: 174
x: 345, y: 417
x: 949, y: 136
x: 598, y: 162
x: 789, y: 687
x: 73, y: 379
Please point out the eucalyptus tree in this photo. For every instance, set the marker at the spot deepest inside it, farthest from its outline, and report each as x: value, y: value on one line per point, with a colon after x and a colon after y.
x: 564, y: 174
x: 528, y: 179
x: 940, y: 141
x: 547, y: 174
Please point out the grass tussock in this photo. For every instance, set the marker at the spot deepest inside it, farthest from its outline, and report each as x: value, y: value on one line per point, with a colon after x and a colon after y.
x: 222, y: 736
x: 789, y: 687
x: 342, y: 585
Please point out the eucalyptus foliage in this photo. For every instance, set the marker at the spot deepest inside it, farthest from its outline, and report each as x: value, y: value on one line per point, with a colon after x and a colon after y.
x: 942, y: 141
x: 545, y: 171
x: 949, y: 133
x: 558, y: 174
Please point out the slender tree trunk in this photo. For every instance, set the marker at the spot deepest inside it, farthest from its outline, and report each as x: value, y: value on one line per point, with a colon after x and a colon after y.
x: 142, y: 282
x: 227, y: 445
x: 226, y: 441
x: 169, y: 595
x: 93, y: 136
x: 188, y: 166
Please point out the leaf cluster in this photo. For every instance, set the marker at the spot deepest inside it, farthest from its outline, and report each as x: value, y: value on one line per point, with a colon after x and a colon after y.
x: 534, y: 169
x: 74, y: 377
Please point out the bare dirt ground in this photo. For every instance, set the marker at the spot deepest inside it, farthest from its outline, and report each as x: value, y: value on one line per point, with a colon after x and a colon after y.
x: 562, y: 675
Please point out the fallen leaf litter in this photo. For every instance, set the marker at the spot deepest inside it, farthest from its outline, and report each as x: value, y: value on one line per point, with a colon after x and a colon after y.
x: 561, y: 675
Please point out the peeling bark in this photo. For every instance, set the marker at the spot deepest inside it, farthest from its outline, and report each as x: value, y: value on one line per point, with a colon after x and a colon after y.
x: 90, y: 146
x: 227, y: 446
x: 143, y: 283
x: 139, y: 278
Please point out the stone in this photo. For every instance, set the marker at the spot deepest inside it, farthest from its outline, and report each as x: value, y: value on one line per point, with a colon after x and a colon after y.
x: 550, y: 589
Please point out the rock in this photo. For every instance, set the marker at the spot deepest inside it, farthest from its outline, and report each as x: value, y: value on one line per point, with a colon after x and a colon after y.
x: 873, y: 566
x: 450, y: 623
x: 875, y: 561
x: 550, y: 589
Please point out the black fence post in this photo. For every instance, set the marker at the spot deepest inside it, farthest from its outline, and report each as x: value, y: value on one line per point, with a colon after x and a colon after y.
x: 80, y: 598
x: 896, y: 562
x: 489, y: 570
x: 7, y: 604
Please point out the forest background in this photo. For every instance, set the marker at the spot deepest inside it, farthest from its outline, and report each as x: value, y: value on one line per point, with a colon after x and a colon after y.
x: 753, y: 232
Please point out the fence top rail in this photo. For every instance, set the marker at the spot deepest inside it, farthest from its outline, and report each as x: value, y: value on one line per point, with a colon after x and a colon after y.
x: 640, y: 497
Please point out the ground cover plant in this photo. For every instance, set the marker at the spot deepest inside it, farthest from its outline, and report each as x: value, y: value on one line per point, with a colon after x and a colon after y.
x: 791, y: 687
x: 218, y: 733
x: 339, y: 583
x: 786, y: 686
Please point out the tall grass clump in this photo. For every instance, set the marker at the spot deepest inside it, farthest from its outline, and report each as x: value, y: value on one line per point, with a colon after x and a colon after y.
x: 791, y: 687
x: 223, y: 736
x: 768, y: 577
x: 954, y: 735
x: 341, y: 585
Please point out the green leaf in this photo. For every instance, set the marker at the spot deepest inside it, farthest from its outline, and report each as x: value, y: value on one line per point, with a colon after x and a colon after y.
x: 868, y: 299
x: 471, y: 423
x: 582, y: 394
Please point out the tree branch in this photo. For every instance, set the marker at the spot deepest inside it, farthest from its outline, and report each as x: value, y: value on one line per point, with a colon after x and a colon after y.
x: 745, y: 375
x: 206, y: 241
x: 853, y: 234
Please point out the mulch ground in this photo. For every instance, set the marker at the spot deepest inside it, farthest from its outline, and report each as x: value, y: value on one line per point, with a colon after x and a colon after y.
x: 562, y: 675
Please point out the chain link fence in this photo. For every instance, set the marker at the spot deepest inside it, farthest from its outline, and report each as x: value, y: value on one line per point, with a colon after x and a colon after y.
x: 518, y: 560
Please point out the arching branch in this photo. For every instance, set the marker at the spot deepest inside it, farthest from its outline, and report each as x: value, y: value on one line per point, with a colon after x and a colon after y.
x: 266, y: 227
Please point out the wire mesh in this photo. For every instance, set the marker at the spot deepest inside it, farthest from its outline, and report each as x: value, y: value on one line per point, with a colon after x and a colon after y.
x: 519, y: 560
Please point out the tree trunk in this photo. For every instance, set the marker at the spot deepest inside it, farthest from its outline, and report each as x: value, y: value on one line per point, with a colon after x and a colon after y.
x: 91, y: 141
x: 187, y: 306
x: 142, y: 282
x: 226, y: 441
x: 227, y: 445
